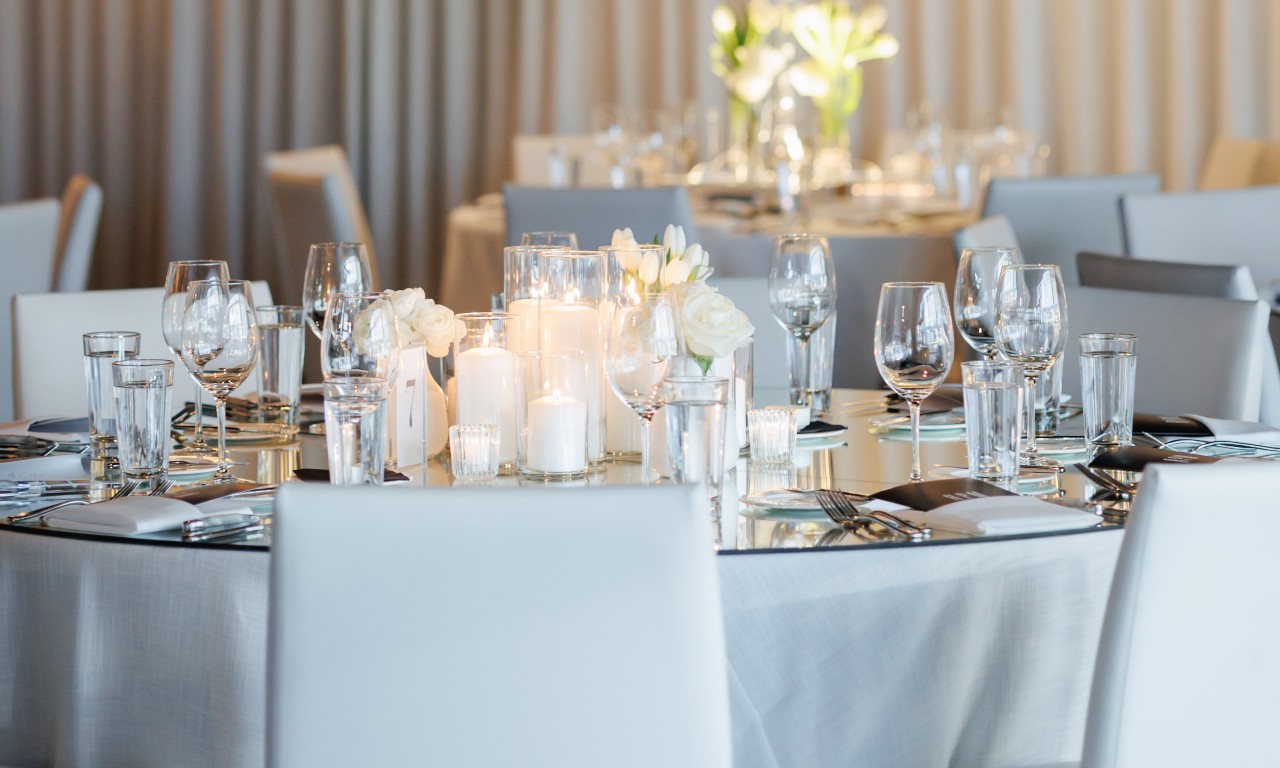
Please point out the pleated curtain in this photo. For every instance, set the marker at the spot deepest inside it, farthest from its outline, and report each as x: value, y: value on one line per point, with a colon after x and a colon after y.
x: 171, y: 104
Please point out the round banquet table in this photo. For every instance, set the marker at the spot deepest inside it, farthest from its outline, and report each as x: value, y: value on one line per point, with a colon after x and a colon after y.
x: 959, y: 651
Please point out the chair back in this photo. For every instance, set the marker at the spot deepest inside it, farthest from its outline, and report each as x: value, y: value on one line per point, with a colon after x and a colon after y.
x: 593, y: 214
x: 48, y: 371
x: 1196, y: 354
x: 583, y: 628
x: 1187, y: 669
x: 1227, y: 281
x: 1058, y: 217
x: 28, y: 231
x: 314, y: 199
x: 1237, y: 226
x: 1230, y: 163
x: 993, y: 232
x: 77, y: 234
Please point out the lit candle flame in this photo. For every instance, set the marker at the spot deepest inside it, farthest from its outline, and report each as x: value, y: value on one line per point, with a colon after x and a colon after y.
x: 555, y: 393
x: 488, y: 334
x: 571, y: 296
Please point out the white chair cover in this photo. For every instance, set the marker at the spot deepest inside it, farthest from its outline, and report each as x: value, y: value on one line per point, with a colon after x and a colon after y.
x: 535, y: 644
x: 1055, y: 218
x: 1187, y: 670
x: 28, y: 231
x: 314, y: 199
x: 49, y: 356
x: 77, y: 233
x: 576, y: 158
x: 1196, y: 354
x: 593, y: 214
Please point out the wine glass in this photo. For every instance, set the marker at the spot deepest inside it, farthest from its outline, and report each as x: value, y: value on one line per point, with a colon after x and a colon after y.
x: 1031, y: 328
x: 975, y: 296
x: 360, y: 337
x: 802, y: 292
x: 181, y: 274
x: 642, y: 348
x: 220, y: 346
x: 552, y: 238
x: 333, y: 268
x: 914, y: 347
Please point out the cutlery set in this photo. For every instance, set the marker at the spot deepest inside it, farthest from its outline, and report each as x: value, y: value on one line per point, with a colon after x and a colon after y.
x: 866, y: 524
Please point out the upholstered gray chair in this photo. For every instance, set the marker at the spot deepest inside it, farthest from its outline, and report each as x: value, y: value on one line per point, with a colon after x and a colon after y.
x: 1187, y: 671
x: 28, y: 231
x: 593, y: 214
x: 584, y: 629
x: 1055, y: 218
x: 81, y: 210
x: 1196, y: 354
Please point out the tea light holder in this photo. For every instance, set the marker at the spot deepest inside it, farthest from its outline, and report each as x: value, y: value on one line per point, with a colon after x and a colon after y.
x: 552, y: 415
x: 570, y: 321
x: 485, y: 379
x: 773, y: 435
x: 473, y: 451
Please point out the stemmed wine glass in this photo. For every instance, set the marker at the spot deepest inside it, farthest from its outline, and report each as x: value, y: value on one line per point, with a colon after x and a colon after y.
x: 802, y: 292
x: 181, y: 274
x: 220, y: 346
x: 642, y: 349
x: 333, y: 268
x: 914, y: 347
x: 360, y: 337
x: 1031, y: 328
x: 975, y: 296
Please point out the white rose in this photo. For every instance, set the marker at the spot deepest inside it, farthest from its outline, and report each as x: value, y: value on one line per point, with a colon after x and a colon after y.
x: 403, y: 303
x: 713, y: 326
x: 623, y: 237
x: 437, y: 327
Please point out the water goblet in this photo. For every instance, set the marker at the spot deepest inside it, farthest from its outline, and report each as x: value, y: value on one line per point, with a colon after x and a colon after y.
x: 1031, y: 328
x: 802, y: 293
x: 975, y: 296
x: 642, y: 348
x: 181, y: 274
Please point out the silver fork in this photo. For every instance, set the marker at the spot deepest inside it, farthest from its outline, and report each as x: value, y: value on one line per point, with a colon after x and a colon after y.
x: 844, y: 503
x: 127, y: 487
x: 1108, y: 482
x: 860, y: 528
x: 161, y: 488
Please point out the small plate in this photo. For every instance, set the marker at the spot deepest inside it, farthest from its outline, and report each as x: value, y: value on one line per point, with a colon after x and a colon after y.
x: 239, y: 432
x: 816, y: 436
x: 928, y: 421
x: 1061, y: 446
x: 193, y: 467
x: 781, y: 505
x: 1039, y: 478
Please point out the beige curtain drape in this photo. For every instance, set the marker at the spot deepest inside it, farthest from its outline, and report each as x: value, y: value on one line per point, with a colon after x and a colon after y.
x: 171, y: 104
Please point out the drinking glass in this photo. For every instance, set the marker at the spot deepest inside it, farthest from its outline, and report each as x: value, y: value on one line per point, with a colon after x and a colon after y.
x: 1031, y: 328
x: 914, y: 347
x: 802, y: 292
x: 355, y: 416
x: 181, y: 274
x: 975, y: 296
x: 695, y: 412
x: 142, y: 402
x: 101, y: 350
x: 642, y: 348
x: 360, y: 337
x: 566, y: 240
x: 220, y: 346
x: 1108, y: 365
x: 282, y: 341
x: 333, y: 268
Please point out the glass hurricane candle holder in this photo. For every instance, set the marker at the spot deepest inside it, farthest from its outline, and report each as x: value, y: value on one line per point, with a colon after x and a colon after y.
x: 571, y: 322
x: 521, y: 289
x: 551, y: 415
x: 485, y: 378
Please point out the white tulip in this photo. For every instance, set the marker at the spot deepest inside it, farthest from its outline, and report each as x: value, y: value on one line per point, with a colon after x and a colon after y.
x: 623, y: 237
x: 650, y: 268
x: 628, y: 259
x: 723, y: 20
x: 676, y: 272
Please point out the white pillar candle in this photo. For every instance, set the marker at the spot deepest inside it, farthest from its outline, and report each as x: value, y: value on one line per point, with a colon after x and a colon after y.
x: 486, y: 394
x: 570, y: 327
x: 523, y: 333
x: 557, y: 434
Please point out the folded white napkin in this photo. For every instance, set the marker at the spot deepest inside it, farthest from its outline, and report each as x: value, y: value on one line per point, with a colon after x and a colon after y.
x: 995, y: 516
x: 24, y: 428
x: 1244, y: 431
x: 133, y: 515
x: 62, y: 466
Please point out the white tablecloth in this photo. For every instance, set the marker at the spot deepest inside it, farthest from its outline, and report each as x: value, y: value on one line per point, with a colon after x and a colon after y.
x: 129, y: 654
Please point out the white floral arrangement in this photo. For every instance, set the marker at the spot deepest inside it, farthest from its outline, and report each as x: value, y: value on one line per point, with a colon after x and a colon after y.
x: 681, y: 263
x: 421, y: 321
x: 712, y: 325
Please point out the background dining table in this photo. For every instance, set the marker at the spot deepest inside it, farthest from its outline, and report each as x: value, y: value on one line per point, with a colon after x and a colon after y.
x: 145, y: 651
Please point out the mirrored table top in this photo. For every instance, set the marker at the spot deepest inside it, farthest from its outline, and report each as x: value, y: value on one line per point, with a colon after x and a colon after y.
x: 864, y: 458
